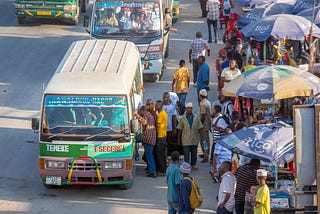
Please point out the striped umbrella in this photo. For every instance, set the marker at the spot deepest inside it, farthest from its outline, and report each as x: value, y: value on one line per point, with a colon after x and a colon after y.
x: 273, y: 81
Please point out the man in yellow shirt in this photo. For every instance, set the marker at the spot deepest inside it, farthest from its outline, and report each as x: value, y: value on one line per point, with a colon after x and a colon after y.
x: 181, y: 81
x: 250, y: 65
x: 162, y: 123
x: 262, y: 199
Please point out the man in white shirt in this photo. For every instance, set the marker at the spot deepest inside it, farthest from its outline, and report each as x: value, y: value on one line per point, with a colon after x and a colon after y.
x: 171, y: 111
x: 230, y: 72
x: 226, y: 201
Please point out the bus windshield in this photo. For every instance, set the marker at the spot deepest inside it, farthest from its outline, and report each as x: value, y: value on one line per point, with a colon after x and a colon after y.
x: 126, y: 19
x: 84, y: 116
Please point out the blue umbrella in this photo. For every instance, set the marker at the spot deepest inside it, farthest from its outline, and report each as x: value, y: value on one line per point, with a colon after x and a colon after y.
x: 284, y: 26
x: 264, y: 10
x: 244, y: 3
x: 267, y: 142
x: 307, y: 13
x: 301, y: 5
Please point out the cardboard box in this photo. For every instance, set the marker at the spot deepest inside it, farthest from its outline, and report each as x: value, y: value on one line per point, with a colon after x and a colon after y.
x: 279, y: 203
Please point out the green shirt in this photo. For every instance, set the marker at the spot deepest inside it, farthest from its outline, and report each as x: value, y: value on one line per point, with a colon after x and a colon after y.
x: 263, y: 197
x: 190, y: 135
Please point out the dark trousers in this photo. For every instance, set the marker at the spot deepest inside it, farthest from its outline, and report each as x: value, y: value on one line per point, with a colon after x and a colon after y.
x: 212, y: 150
x: 150, y: 158
x: 223, y: 211
x: 214, y: 24
x: 239, y: 208
x: 203, y: 4
x: 161, y: 154
x: 190, y: 150
x: 195, y: 69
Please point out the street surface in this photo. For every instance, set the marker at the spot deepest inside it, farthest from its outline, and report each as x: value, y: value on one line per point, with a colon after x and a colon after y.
x: 29, y: 55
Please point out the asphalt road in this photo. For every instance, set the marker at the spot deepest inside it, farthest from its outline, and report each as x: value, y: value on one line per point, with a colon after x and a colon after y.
x: 29, y: 55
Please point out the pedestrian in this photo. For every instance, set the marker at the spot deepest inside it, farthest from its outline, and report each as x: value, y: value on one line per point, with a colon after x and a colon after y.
x: 185, y: 189
x: 251, y: 64
x: 181, y: 81
x: 236, y: 124
x: 171, y: 112
x: 162, y: 123
x: 198, y: 48
x: 203, y: 78
x: 173, y: 183
x: 227, y: 10
x: 205, y: 117
x: 262, y: 198
x: 226, y: 201
x: 204, y: 12
x: 220, y: 153
x: 168, y: 21
x: 221, y: 17
x: 227, y: 107
x: 246, y: 177
x: 230, y: 72
x: 189, y: 129
x: 212, y: 8
x: 149, y: 138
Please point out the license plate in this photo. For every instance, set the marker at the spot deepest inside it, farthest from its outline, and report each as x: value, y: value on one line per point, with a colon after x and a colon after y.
x: 53, y: 180
x: 44, y: 13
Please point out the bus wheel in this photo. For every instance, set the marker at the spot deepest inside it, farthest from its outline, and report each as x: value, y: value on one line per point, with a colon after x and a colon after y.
x: 83, y: 4
x: 50, y: 186
x: 22, y: 19
x: 74, y: 21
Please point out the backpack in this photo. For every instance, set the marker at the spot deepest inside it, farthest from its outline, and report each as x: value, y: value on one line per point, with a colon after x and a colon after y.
x: 195, y: 195
x: 226, y: 119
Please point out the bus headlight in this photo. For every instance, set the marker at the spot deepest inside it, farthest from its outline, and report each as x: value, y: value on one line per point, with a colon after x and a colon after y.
x: 113, y: 164
x: 55, y: 164
x: 69, y: 7
x: 19, y: 6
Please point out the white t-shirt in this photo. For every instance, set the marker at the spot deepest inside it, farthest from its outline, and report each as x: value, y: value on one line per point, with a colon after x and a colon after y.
x: 171, y: 111
x: 221, y: 122
x: 228, y: 185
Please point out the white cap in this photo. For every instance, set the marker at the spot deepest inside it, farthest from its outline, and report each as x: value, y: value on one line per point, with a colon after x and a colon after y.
x: 189, y: 105
x: 262, y: 173
x: 203, y: 92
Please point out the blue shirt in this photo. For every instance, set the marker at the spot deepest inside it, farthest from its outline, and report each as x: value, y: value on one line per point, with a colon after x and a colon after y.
x: 203, y: 75
x: 173, y: 179
x: 190, y: 120
x: 225, y: 64
x: 185, y: 191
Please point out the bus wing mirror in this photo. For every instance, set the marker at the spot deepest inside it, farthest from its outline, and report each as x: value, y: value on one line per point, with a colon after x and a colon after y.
x: 134, y: 126
x: 85, y: 21
x: 35, y: 124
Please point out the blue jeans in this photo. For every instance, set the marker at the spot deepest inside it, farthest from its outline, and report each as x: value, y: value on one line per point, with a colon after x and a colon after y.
x: 136, y: 146
x: 186, y: 153
x: 182, y: 97
x: 148, y: 149
x: 214, y: 24
x: 172, y: 207
x: 223, y: 211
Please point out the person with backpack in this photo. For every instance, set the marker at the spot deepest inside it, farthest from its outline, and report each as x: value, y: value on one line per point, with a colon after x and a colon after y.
x: 181, y: 81
x: 227, y: 189
x: 190, y: 195
x: 219, y: 153
x: 227, y: 106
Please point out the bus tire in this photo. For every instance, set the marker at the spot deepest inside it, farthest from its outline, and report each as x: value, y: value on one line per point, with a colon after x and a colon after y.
x: 74, y: 21
x: 83, y: 5
x: 48, y: 186
x: 22, y: 19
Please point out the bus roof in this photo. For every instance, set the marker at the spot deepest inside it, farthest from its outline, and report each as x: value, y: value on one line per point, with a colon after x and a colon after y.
x: 96, y: 67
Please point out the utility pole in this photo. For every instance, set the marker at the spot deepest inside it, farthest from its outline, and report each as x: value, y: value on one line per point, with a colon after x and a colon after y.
x: 312, y: 43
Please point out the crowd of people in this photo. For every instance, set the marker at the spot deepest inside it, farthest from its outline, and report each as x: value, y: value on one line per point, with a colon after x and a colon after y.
x: 172, y: 128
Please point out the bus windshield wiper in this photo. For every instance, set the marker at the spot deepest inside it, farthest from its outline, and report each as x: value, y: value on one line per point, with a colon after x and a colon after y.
x: 64, y: 132
x: 104, y: 132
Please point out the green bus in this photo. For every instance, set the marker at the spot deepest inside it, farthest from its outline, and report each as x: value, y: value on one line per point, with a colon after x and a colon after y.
x: 59, y: 9
x: 86, y: 127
